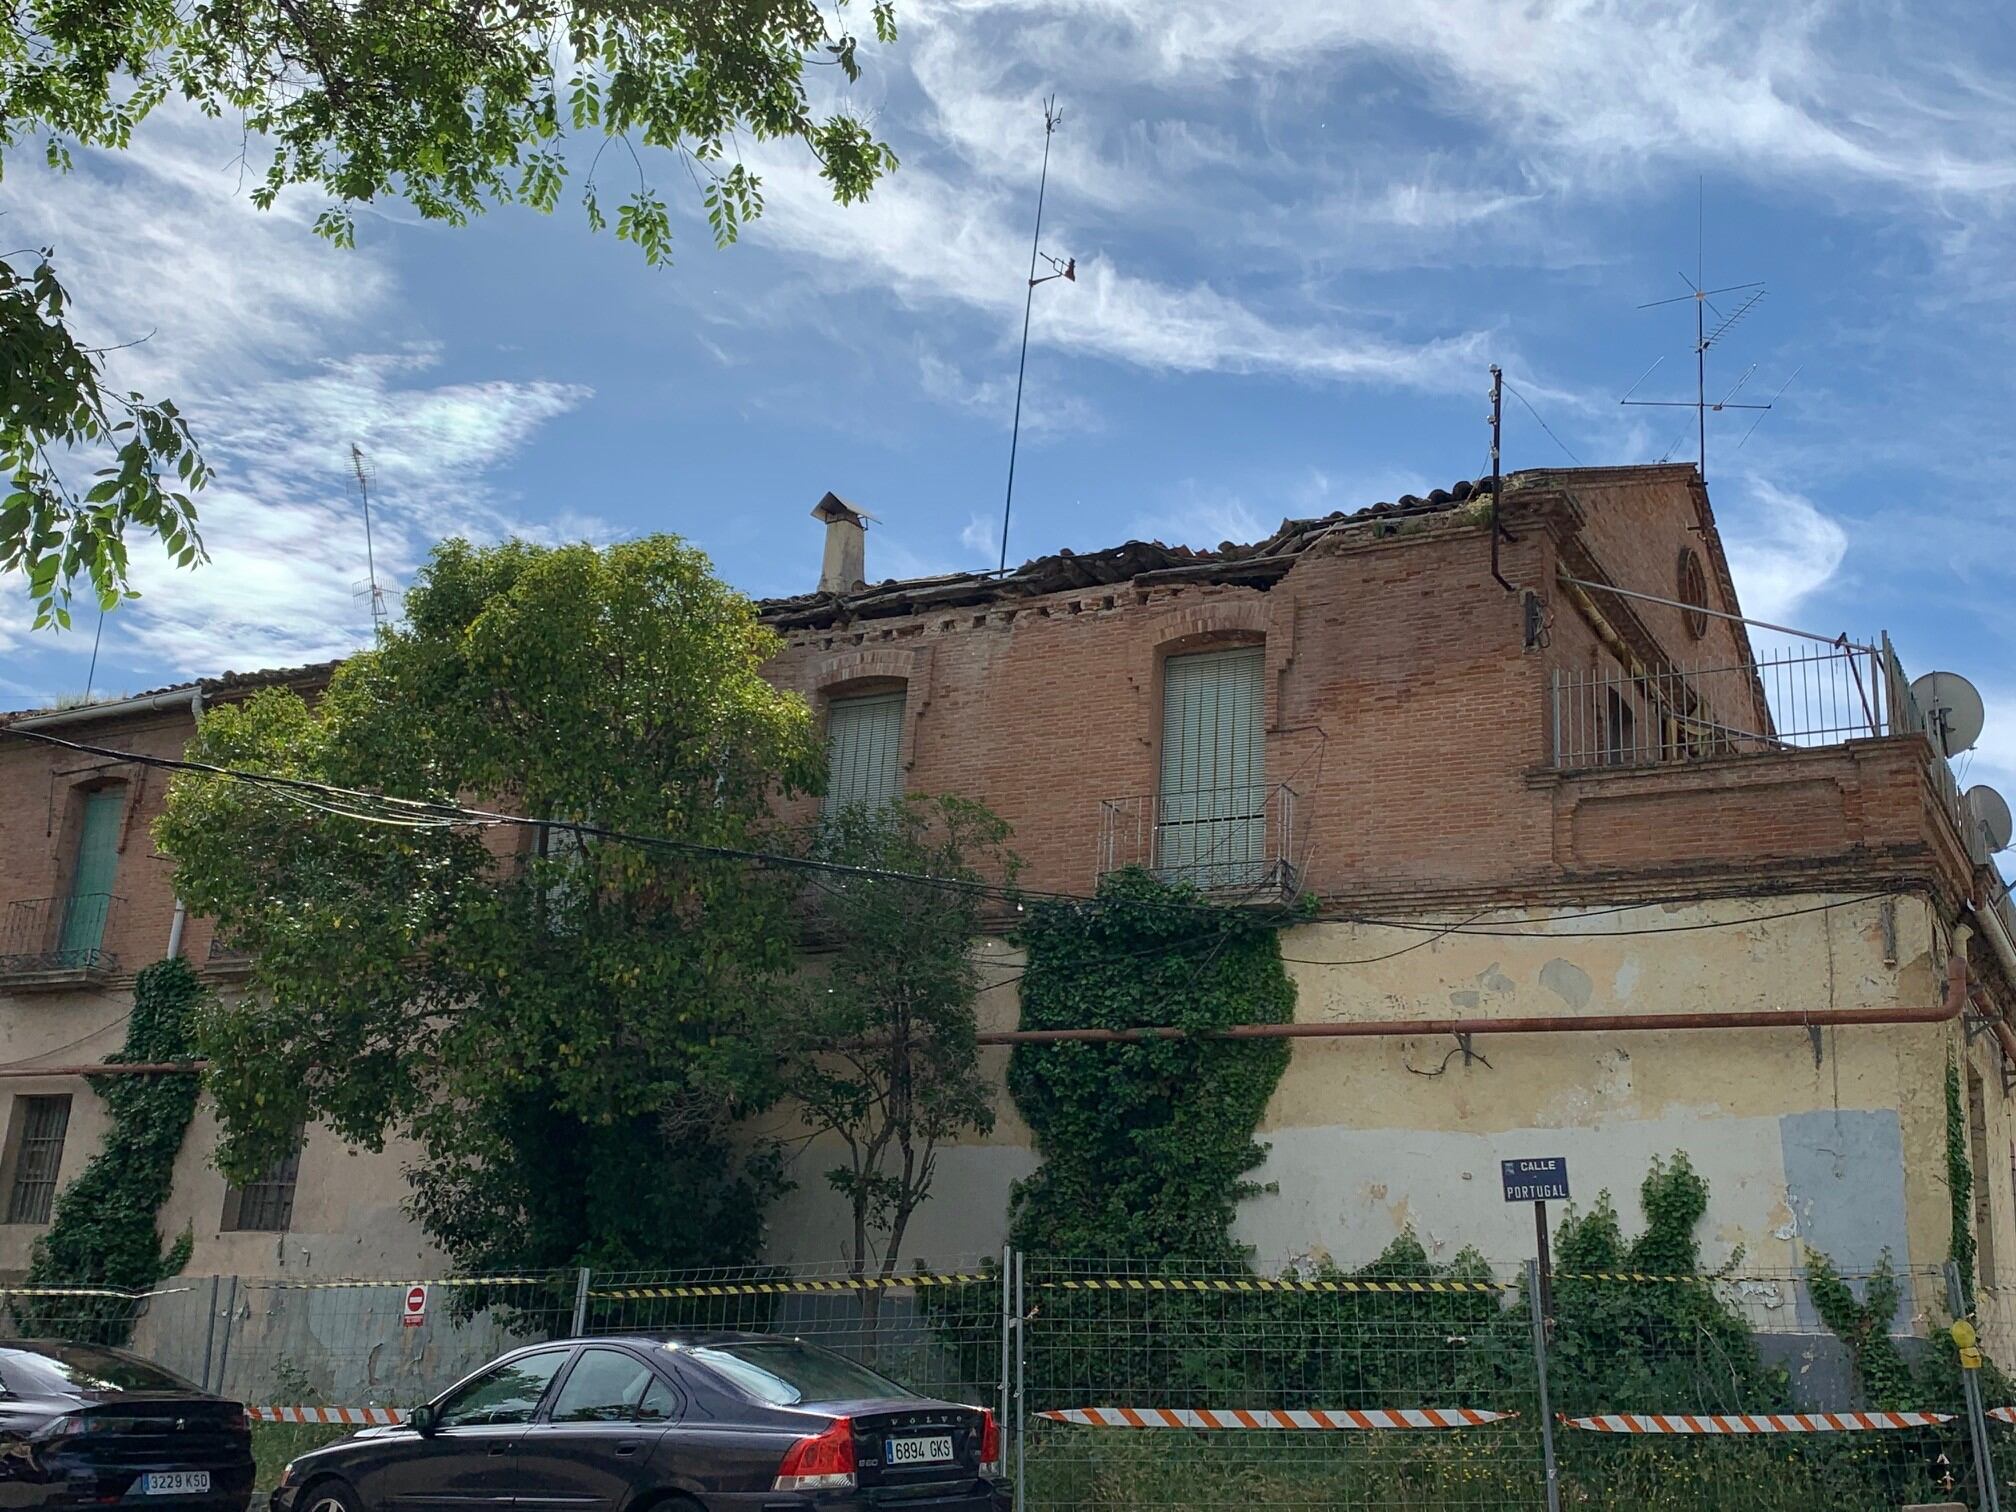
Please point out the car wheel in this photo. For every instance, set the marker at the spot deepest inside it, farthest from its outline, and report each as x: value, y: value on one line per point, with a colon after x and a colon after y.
x: 329, y: 1496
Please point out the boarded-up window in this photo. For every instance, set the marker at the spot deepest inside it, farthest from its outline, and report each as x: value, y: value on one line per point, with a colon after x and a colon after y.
x: 265, y: 1205
x: 1211, y: 810
x: 864, y: 740
x: 39, y: 1126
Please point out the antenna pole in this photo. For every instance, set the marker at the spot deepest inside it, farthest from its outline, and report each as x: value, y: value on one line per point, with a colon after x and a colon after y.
x: 1701, y: 379
x: 370, y: 559
x: 1050, y: 119
x: 1498, y: 531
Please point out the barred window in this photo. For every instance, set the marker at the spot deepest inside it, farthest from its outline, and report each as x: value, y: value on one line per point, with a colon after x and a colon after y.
x: 266, y: 1205
x: 39, y: 1126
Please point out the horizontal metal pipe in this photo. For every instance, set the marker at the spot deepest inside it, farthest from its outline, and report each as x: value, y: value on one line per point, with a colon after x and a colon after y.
x: 1953, y: 1000
x: 134, y: 1068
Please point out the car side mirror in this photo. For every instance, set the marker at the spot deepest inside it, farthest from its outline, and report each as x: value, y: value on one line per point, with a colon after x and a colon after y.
x: 422, y: 1421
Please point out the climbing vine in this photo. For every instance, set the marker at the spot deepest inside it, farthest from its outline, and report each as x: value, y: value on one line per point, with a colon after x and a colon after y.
x: 104, y: 1232
x: 1863, y: 1324
x: 1644, y: 1342
x: 1147, y: 1148
x: 1959, y: 1182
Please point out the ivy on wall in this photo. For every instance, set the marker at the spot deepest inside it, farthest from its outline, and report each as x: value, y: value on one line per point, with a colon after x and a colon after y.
x: 1959, y: 1182
x: 1147, y: 1148
x: 104, y: 1232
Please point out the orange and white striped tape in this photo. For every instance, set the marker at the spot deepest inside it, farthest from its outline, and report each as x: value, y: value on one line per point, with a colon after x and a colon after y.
x: 2003, y: 1414
x: 1333, y: 1418
x: 1754, y: 1422
x: 349, y: 1417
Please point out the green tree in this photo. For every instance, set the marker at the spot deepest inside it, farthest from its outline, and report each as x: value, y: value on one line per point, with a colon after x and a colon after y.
x: 104, y: 1233
x: 570, y: 1029
x: 451, y: 106
x: 887, y: 1060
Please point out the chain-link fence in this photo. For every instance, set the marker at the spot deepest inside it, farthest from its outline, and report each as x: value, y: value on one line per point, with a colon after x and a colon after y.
x: 1129, y: 1384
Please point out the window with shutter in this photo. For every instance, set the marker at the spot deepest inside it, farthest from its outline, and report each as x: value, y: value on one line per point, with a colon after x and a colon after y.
x: 864, y: 741
x: 1211, y: 826
x: 91, y: 874
x: 265, y: 1205
x: 39, y: 1126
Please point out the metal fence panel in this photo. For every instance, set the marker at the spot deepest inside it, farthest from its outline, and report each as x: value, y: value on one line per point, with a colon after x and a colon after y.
x: 1181, y: 1386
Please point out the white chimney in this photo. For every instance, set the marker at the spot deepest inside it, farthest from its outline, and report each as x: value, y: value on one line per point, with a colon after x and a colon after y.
x: 845, y: 567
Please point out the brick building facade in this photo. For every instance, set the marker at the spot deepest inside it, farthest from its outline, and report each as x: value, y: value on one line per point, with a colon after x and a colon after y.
x: 1563, y: 745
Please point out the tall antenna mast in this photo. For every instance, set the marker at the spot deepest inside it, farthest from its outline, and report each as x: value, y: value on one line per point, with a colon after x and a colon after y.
x: 1705, y: 336
x: 370, y: 556
x: 1052, y: 119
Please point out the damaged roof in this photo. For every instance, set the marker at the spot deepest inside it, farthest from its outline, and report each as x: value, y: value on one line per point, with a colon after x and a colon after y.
x: 1261, y: 562
x: 227, y: 682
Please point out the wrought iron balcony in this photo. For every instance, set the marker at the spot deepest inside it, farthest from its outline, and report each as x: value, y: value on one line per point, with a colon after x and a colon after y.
x: 57, y: 942
x: 1236, y: 843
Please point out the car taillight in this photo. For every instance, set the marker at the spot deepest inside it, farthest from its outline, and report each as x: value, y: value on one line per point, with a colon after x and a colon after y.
x: 824, y: 1463
x: 990, y: 1445
x: 237, y: 1420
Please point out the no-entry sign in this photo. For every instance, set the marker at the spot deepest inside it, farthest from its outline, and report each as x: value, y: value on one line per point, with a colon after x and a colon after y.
x: 416, y: 1307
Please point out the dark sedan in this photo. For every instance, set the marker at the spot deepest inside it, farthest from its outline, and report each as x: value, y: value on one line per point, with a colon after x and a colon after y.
x: 82, y: 1425
x: 694, y: 1423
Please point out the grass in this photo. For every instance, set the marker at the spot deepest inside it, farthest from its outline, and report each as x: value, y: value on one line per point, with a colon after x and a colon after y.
x: 274, y: 1444
x: 1098, y: 1471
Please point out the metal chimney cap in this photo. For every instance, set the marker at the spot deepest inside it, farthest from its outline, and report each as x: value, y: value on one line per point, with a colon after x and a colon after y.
x: 833, y: 507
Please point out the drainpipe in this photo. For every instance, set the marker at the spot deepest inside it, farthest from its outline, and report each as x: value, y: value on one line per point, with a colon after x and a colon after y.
x: 182, y: 909
x: 1990, y: 920
x: 1952, y: 1001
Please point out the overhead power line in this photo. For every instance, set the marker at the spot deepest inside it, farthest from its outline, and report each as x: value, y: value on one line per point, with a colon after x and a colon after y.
x: 418, y: 813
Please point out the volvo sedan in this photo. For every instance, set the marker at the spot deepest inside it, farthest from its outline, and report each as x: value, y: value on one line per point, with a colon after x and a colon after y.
x: 692, y: 1423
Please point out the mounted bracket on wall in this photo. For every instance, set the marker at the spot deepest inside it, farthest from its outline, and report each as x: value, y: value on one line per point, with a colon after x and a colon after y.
x: 1534, y: 613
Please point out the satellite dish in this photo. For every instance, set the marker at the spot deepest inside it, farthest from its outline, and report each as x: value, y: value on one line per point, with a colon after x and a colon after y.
x: 1991, y: 812
x: 1951, y: 709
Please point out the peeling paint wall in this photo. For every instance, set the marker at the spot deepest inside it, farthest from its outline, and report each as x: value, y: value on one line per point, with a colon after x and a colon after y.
x: 1830, y: 1139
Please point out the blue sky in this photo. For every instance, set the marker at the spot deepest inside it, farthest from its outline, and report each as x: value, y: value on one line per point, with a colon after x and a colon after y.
x: 1304, y: 229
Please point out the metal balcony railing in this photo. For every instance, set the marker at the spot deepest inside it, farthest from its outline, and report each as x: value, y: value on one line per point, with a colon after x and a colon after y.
x: 1226, y: 840
x: 53, y: 936
x: 1788, y: 699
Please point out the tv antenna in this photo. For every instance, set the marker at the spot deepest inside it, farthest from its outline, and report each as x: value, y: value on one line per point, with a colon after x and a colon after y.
x: 363, y: 472
x: 1068, y: 270
x: 1742, y: 299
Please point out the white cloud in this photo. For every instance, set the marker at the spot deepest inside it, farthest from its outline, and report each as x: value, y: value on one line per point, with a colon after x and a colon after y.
x: 1047, y: 408
x: 980, y: 537
x: 932, y: 241
x: 1203, y: 518
x: 246, y: 308
x: 1781, y: 549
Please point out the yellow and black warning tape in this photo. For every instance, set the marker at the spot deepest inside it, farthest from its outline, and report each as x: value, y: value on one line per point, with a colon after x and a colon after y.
x: 789, y: 1286
x: 1256, y: 1284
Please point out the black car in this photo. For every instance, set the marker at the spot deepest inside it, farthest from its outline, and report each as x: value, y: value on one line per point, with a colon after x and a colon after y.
x: 83, y: 1425
x: 690, y: 1423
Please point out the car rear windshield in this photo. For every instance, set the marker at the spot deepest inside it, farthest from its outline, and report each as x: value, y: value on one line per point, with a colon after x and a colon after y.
x: 786, y: 1373
x: 68, y: 1369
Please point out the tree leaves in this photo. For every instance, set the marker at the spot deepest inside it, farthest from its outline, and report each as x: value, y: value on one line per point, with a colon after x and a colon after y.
x: 453, y: 986
x: 453, y: 107
x: 58, y: 411
x: 885, y: 1057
